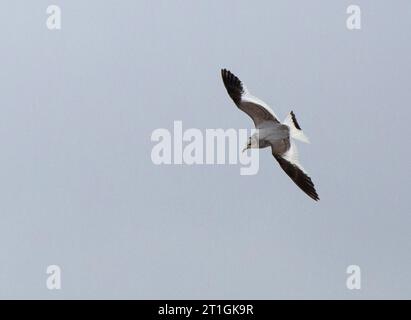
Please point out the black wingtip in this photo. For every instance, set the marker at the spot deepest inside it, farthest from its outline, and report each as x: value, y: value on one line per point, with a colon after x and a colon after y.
x: 233, y: 85
x: 296, y: 124
x: 300, y: 178
x: 225, y: 73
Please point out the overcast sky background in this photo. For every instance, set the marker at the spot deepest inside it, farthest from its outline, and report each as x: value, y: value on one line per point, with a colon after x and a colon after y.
x: 78, y: 187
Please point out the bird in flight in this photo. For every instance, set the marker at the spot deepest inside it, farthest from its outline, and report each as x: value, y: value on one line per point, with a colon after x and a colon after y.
x: 271, y: 132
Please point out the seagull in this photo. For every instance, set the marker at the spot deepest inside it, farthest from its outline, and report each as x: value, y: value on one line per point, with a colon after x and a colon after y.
x: 271, y: 132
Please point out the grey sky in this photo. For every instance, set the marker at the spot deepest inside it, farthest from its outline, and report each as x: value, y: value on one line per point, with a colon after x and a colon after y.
x: 79, y: 189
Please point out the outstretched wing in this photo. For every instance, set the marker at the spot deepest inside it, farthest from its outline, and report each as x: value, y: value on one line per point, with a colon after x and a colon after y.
x: 289, y: 163
x: 258, y: 110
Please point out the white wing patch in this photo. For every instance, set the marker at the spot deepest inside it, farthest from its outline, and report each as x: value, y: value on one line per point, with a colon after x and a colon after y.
x: 292, y: 156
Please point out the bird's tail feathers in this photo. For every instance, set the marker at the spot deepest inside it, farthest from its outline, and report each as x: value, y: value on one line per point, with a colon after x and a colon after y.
x: 295, y: 129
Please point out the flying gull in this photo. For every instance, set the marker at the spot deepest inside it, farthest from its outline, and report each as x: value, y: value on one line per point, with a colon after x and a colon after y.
x: 271, y: 132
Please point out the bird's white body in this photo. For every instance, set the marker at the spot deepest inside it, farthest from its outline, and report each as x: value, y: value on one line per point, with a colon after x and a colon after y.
x: 271, y: 132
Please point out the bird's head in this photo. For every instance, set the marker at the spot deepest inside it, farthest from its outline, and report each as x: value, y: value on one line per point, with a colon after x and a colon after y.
x: 251, y: 143
x: 248, y: 145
